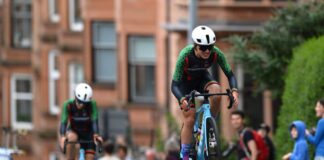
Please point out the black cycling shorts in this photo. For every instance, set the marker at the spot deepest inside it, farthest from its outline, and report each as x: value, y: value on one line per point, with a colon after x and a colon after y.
x: 83, y: 136
x: 199, y: 84
x: 86, y: 137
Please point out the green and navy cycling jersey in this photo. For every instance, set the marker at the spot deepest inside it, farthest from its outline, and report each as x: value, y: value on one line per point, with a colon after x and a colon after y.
x: 187, y: 63
x: 83, y: 120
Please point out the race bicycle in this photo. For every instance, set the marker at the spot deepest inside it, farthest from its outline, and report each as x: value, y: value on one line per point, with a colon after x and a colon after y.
x: 206, y: 144
x: 81, y: 150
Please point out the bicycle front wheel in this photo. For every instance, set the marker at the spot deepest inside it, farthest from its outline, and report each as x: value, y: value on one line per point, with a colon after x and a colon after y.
x: 213, y: 140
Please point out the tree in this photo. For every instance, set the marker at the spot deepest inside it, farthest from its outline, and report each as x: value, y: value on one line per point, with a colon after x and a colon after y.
x: 304, y: 85
x: 267, y: 53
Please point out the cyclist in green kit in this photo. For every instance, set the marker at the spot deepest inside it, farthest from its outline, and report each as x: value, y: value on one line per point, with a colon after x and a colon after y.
x: 191, y: 74
x: 79, y: 121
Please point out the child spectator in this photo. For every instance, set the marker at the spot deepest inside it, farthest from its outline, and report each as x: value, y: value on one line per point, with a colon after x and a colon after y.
x: 297, y: 131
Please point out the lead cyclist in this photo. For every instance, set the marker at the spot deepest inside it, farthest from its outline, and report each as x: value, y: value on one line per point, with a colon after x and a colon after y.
x: 191, y: 74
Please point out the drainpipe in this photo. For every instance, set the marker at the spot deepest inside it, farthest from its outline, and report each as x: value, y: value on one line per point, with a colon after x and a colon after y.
x: 167, y: 55
x: 192, y: 18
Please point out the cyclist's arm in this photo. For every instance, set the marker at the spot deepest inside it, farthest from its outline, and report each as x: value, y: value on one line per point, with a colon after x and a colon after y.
x: 94, y: 117
x: 179, y: 73
x: 175, y: 88
x: 222, y: 62
x: 64, y: 118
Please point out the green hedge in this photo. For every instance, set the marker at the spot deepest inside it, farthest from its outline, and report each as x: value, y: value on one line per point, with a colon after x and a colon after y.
x: 304, y: 85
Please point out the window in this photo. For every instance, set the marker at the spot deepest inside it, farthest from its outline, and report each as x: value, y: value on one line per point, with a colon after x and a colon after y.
x: 54, y: 76
x: 21, y: 101
x: 53, y: 10
x: 114, y: 123
x: 142, y: 68
x: 21, y: 23
x: 104, y: 52
x: 76, y: 76
x: 76, y: 23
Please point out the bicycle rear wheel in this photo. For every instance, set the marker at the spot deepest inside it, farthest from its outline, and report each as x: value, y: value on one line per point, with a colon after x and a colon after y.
x: 213, y: 140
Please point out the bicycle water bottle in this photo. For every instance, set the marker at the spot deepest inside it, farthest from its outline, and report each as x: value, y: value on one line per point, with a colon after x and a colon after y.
x: 198, y: 135
x: 82, y: 154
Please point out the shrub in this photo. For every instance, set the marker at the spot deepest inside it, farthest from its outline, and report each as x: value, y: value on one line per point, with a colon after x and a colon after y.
x: 304, y: 85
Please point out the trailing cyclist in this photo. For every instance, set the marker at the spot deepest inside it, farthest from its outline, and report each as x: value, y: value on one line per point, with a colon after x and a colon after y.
x: 79, y: 121
x: 191, y: 74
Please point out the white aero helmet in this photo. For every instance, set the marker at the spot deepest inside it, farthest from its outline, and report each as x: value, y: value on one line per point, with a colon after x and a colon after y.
x: 83, y: 92
x: 203, y: 35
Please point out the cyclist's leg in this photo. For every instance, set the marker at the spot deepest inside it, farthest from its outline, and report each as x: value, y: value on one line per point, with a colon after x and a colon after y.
x: 88, y: 147
x: 188, y: 123
x: 90, y: 154
x: 71, y: 148
x: 186, y: 133
x: 214, y: 101
x: 213, y: 87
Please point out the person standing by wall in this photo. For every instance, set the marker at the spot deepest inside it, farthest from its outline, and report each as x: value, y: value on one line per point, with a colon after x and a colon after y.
x: 247, y: 150
x: 318, y: 139
x: 264, y: 131
x: 297, y: 132
x: 109, y: 148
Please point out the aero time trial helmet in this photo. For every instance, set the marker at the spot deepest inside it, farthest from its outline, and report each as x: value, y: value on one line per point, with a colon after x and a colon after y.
x: 203, y: 35
x: 83, y: 92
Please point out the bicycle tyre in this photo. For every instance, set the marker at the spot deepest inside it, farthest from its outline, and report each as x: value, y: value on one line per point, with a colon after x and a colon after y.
x: 213, y: 150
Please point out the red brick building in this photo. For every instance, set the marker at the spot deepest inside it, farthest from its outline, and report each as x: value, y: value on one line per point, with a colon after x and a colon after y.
x: 125, y: 49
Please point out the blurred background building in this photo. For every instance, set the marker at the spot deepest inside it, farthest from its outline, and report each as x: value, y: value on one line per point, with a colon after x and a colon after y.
x: 126, y: 50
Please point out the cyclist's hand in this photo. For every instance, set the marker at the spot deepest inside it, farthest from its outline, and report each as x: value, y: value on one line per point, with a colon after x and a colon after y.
x: 184, y: 105
x: 97, y: 138
x: 62, y: 140
x: 236, y: 98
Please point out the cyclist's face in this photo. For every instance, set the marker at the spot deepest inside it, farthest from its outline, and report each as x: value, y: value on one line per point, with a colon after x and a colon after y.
x: 319, y: 110
x: 203, y: 51
x: 237, y: 121
x: 79, y: 104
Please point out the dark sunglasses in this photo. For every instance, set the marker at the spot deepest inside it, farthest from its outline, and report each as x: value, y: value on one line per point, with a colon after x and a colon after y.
x: 205, y: 47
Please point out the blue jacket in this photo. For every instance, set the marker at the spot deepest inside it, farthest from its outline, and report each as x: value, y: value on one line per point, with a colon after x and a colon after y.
x: 300, y: 151
x: 318, y: 139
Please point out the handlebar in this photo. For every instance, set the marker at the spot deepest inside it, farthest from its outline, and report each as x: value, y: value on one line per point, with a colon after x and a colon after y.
x: 82, y: 142
x: 193, y: 94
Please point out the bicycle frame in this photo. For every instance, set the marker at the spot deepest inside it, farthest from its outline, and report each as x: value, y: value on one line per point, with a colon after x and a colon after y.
x: 205, y: 110
x: 81, y: 150
x: 206, y: 113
